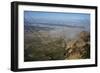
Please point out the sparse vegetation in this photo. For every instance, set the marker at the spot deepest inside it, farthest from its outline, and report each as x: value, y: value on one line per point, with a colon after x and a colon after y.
x: 40, y: 48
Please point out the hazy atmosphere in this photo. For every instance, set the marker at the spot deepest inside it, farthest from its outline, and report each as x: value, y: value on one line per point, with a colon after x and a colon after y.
x: 56, y: 36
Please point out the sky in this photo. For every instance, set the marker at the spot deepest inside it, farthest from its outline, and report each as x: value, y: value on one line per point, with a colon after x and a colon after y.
x: 58, y: 18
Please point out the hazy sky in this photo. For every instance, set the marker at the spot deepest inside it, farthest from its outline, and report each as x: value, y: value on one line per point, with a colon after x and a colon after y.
x: 58, y: 18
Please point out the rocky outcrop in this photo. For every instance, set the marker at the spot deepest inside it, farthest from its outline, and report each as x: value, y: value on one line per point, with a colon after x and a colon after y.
x: 79, y: 48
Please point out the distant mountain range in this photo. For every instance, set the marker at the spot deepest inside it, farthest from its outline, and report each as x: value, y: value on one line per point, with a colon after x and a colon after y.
x: 31, y: 28
x: 50, y: 25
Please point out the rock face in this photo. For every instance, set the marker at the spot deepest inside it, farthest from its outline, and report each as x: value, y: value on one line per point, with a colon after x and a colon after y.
x: 79, y: 48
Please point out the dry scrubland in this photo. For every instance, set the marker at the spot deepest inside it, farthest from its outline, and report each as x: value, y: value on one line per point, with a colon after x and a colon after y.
x: 40, y: 46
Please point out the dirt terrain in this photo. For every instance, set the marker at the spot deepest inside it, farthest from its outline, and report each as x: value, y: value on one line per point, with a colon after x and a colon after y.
x: 42, y: 46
